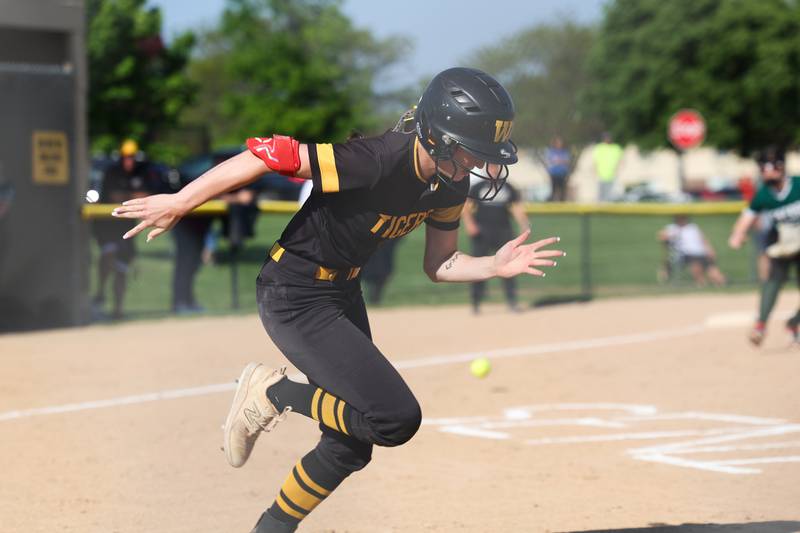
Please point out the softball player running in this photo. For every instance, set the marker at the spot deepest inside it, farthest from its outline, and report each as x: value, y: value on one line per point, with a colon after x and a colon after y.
x: 777, y: 202
x: 365, y: 192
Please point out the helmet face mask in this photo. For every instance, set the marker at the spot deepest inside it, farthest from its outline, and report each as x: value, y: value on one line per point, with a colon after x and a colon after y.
x: 496, y: 179
x: 468, y: 109
x: 495, y: 174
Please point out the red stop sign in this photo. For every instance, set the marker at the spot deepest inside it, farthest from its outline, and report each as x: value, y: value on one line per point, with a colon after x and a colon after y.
x: 687, y: 129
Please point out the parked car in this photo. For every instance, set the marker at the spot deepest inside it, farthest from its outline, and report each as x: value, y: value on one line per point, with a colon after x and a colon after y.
x: 645, y: 192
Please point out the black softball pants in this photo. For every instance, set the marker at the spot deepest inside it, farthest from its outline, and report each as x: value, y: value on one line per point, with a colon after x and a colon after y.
x: 322, y: 328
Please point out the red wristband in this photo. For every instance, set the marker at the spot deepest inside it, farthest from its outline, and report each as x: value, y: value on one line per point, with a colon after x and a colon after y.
x: 279, y: 152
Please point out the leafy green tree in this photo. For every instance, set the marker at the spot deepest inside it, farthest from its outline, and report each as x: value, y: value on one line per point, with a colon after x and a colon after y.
x: 736, y: 61
x: 545, y: 70
x: 137, y: 85
x: 297, y: 68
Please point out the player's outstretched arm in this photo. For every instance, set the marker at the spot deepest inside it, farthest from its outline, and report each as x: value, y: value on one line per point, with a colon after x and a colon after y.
x: 740, y: 229
x: 162, y: 211
x: 443, y: 262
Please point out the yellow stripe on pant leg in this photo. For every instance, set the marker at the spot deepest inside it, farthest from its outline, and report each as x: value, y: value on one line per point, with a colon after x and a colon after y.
x: 299, y: 496
x: 328, y: 416
x: 315, y: 404
x: 340, y: 417
x: 288, y: 510
x: 310, y: 482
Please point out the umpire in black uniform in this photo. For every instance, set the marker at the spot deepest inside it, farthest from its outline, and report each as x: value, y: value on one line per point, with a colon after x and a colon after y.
x: 488, y: 224
x: 129, y: 177
x: 365, y: 191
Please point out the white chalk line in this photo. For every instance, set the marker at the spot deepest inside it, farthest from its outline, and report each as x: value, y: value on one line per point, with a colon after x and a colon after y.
x: 703, y: 441
x: 639, y: 435
x: 699, y: 465
x: 694, y: 415
x: 116, y: 402
x: 745, y: 447
x: 438, y: 360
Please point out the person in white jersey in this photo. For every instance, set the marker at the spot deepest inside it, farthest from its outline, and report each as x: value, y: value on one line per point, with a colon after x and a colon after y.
x: 689, y: 248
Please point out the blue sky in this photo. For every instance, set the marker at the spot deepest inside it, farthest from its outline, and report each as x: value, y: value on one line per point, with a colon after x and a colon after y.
x: 469, y: 24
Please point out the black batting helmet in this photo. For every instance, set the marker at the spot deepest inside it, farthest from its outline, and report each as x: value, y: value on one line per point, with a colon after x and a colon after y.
x: 468, y: 108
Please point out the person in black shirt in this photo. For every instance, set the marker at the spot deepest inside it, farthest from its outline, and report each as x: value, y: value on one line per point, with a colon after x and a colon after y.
x: 488, y: 225
x: 125, y: 179
x: 366, y: 191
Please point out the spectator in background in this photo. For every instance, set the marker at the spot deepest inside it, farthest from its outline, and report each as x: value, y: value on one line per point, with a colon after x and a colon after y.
x: 607, y: 156
x: 777, y: 202
x: 6, y: 202
x: 558, y: 162
x: 688, y: 247
x: 376, y: 272
x: 194, y: 244
x: 190, y: 238
x: 238, y: 224
x: 127, y: 178
x: 488, y: 224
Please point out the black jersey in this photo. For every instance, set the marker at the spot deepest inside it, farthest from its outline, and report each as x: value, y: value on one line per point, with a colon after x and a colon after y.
x: 118, y: 184
x: 367, y: 191
x: 495, y: 214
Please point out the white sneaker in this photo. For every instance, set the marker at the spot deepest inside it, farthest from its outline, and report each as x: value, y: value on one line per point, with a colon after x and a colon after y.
x: 251, y: 412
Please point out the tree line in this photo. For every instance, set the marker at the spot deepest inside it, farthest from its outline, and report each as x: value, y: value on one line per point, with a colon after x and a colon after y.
x: 302, y: 68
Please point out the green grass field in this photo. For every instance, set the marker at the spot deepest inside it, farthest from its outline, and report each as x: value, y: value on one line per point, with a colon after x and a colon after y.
x: 623, y: 257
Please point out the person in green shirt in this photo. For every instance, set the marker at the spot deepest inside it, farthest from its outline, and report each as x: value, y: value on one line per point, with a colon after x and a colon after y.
x: 607, y: 156
x: 777, y: 202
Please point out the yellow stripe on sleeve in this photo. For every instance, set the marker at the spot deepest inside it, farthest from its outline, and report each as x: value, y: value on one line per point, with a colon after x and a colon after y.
x: 310, y: 482
x: 329, y: 176
x: 447, y: 214
x: 315, y: 404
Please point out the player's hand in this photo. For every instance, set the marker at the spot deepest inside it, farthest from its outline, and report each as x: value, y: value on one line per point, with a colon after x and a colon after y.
x: 160, y: 211
x: 735, y: 241
x: 515, y: 257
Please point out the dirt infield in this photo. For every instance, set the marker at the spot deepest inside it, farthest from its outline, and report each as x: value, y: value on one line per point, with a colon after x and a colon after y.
x: 613, y: 415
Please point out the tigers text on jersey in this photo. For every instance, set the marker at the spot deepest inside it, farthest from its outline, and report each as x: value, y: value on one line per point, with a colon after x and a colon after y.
x: 367, y: 191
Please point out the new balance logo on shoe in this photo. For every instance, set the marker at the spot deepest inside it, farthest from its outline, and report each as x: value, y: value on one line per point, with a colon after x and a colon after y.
x: 252, y: 414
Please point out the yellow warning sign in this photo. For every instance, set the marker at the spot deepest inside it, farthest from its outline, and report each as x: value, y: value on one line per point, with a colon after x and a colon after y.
x: 50, y: 158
